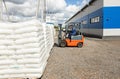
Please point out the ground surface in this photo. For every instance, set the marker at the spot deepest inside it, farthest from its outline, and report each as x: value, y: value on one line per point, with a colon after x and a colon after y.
x: 98, y: 59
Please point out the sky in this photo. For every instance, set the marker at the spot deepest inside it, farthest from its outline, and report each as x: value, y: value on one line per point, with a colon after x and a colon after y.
x: 73, y: 2
x: 61, y: 10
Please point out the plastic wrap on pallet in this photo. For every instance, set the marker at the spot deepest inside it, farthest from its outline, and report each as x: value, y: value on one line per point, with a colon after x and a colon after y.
x: 24, y: 49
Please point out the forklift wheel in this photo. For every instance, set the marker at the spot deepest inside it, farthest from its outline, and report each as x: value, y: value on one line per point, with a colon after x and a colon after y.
x: 63, y: 44
x: 80, y: 45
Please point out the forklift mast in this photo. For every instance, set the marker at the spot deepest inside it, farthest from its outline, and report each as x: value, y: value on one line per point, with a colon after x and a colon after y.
x: 60, y: 31
x: 60, y: 34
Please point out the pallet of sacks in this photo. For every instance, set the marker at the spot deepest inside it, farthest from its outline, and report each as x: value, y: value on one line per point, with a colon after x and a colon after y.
x: 49, y: 36
x: 24, y: 49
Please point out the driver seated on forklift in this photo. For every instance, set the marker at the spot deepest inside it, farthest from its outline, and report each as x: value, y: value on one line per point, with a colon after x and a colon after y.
x: 72, y: 32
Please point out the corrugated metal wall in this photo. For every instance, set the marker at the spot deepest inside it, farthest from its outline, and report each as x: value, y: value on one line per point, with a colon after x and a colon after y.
x: 111, y: 18
x: 107, y: 12
x: 93, y: 10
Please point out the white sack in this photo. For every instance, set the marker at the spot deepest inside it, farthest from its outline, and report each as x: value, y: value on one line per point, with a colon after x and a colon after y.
x: 13, y: 37
x: 32, y: 45
x: 3, y: 57
x: 6, y: 62
x: 15, y: 47
x: 2, y: 36
x: 25, y: 56
x: 15, y: 76
x: 4, y: 76
x: 3, y: 47
x: 31, y: 34
x: 27, y: 40
x: 4, y: 67
x: 22, y: 70
x: 29, y: 51
x: 7, y: 52
x: 6, y: 31
x: 28, y: 60
x: 27, y: 30
x: 6, y: 42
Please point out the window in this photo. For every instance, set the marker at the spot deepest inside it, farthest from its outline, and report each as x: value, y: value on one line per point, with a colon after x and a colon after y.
x: 76, y: 24
x: 95, y: 20
x: 84, y: 22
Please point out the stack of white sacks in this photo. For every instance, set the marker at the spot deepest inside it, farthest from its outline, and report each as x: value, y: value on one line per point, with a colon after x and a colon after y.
x: 24, y: 49
x: 50, y: 36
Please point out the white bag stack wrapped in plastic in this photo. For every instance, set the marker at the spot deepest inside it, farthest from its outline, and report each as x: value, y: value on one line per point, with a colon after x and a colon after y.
x: 49, y: 36
x: 24, y: 49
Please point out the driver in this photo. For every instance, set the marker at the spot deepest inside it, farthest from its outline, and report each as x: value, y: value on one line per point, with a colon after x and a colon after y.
x: 72, y: 32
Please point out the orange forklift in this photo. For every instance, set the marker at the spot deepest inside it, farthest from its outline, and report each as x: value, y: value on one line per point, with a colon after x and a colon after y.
x: 72, y: 36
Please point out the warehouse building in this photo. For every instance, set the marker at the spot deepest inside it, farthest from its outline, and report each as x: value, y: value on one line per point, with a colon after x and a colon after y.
x: 99, y: 18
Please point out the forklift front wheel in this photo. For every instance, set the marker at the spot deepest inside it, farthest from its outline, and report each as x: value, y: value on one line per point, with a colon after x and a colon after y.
x: 80, y: 45
x: 63, y: 44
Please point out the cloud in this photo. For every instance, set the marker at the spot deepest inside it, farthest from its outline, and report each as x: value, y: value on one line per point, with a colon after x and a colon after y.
x: 62, y: 10
x: 72, y: 8
x: 20, y: 8
x: 69, y: 11
x: 55, y: 5
x: 16, y: 1
x: 25, y: 9
x: 83, y: 3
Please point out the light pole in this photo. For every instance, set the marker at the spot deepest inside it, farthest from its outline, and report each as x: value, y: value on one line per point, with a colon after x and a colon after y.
x: 37, y: 10
x: 6, y: 9
x: 1, y: 10
x: 44, y: 11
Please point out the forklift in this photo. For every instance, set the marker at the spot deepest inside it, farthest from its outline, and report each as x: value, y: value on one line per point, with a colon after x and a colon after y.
x: 68, y: 40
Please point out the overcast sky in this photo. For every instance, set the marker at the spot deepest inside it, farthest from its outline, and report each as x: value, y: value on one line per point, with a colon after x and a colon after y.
x: 62, y: 9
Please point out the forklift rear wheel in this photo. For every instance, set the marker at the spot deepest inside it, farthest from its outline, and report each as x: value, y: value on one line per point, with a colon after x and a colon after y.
x: 80, y: 45
x: 63, y: 44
